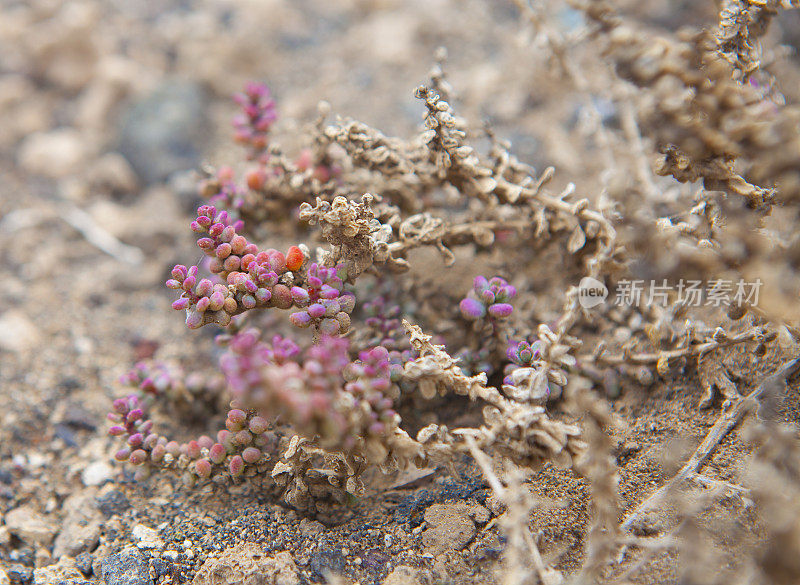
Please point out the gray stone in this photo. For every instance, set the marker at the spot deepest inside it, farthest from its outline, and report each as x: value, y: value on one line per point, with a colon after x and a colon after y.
x: 326, y: 559
x: 451, y: 526
x: 64, y: 571
x: 311, y: 527
x: 113, y: 502
x: 84, y: 563
x: 129, y: 567
x: 20, y: 574
x: 163, y: 133
x: 147, y: 537
x: 404, y: 575
x: 81, y: 528
x: 17, y: 332
x: 247, y: 564
x: 30, y: 526
x: 97, y: 473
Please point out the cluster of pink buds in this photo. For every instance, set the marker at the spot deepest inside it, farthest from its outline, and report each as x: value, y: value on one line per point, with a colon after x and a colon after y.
x: 258, y: 114
x: 253, y: 278
x: 523, y: 353
x: 324, y: 395
x: 371, y: 386
x: 488, y: 297
x: 142, y: 445
x: 222, y: 190
x: 322, y: 172
x: 246, y: 441
x: 265, y: 377
x: 383, y: 318
x: 154, y: 379
x: 322, y: 299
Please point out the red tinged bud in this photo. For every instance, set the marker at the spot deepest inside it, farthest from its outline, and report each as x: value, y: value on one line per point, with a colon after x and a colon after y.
x: 203, y: 468
x: 294, y: 259
x: 236, y: 466
x: 256, y: 179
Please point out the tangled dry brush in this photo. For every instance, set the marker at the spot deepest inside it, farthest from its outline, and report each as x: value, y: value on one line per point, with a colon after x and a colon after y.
x: 409, y: 285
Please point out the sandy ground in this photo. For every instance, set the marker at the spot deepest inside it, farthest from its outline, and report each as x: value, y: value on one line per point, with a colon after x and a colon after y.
x: 74, y: 317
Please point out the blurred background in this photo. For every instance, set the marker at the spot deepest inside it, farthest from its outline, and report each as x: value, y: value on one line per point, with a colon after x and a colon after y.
x: 109, y: 107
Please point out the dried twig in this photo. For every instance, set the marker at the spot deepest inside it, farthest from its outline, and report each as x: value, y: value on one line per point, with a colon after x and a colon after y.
x: 81, y: 221
x: 726, y: 422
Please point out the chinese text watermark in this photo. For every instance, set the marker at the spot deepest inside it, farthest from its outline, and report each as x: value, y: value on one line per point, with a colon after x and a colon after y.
x: 694, y: 293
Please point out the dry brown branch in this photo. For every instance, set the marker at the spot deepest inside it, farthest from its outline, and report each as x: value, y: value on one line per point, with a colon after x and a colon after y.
x: 515, y: 522
x: 726, y: 422
x: 720, y: 341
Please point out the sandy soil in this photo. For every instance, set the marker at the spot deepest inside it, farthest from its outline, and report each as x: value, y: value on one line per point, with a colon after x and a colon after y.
x: 73, y: 317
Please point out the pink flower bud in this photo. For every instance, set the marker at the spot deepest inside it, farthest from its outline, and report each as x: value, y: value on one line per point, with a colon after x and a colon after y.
x: 237, y: 417
x: 238, y: 244
x: 229, y: 231
x: 243, y: 437
x: 189, y: 283
x: 236, y: 465
x: 231, y: 263
x: 194, y: 319
x: 348, y: 302
x: 135, y: 414
x: 216, y: 301
x: 217, y: 453
x: 249, y: 286
x: 230, y: 306
x: 300, y: 296
x: 328, y: 292
x: 205, y: 287
x: 281, y: 296
x: 138, y: 457
x: 500, y: 310
x: 247, y: 259
x: 203, y: 468
x: 157, y: 455
x: 277, y: 262
x: 193, y: 449
x: 471, y: 309
x: 223, y: 251
x: 120, y: 406
x: 181, y: 304
x: 301, y: 319
x: 258, y: 425
x: 316, y: 311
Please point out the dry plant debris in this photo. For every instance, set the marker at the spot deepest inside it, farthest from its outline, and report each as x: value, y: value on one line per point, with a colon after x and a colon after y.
x: 433, y: 361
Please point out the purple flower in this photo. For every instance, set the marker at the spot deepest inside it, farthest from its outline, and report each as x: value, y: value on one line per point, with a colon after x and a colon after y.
x: 500, y: 310
x: 472, y: 309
